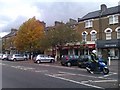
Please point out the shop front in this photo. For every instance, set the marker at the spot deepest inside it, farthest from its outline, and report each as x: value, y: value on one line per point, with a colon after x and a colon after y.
x: 109, y: 48
x: 78, y: 49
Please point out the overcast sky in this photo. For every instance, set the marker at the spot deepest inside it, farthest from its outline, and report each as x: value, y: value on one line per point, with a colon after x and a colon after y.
x: 14, y: 12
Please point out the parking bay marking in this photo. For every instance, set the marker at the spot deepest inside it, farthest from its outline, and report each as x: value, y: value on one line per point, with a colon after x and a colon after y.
x: 73, y: 81
x: 98, y: 81
x: 23, y: 68
x: 41, y: 70
x: 101, y: 77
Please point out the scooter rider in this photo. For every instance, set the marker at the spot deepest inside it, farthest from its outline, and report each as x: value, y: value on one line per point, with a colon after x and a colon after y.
x: 94, y: 58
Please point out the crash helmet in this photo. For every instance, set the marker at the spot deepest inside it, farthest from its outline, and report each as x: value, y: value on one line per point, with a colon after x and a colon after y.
x: 94, y: 51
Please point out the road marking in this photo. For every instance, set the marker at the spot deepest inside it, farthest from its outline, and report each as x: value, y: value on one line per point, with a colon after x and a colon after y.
x: 98, y: 81
x: 41, y: 70
x: 62, y: 67
x: 73, y: 81
x: 23, y: 67
x: 104, y: 81
x: 111, y: 73
x: 2, y: 64
x: 82, y: 75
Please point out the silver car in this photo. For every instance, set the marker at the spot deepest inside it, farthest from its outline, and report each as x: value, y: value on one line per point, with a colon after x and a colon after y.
x: 16, y: 57
x: 44, y: 58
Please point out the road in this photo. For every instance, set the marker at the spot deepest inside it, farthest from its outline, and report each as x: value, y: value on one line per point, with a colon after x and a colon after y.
x: 23, y: 74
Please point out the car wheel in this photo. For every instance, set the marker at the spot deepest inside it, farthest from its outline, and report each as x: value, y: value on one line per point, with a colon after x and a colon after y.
x: 68, y: 64
x: 52, y: 61
x: 62, y: 64
x: 14, y: 59
x: 25, y: 59
x: 38, y: 61
x: 79, y: 66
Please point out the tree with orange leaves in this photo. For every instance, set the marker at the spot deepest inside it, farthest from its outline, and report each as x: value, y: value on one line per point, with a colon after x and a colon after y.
x: 29, y: 35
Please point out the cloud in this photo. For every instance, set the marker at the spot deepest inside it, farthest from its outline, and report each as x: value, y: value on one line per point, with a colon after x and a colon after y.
x: 15, y: 12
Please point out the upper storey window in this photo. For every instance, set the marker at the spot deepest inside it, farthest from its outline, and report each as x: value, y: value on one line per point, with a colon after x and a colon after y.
x: 93, y: 35
x: 88, y: 23
x: 84, y: 36
x: 113, y: 19
x: 118, y: 32
x: 108, y: 32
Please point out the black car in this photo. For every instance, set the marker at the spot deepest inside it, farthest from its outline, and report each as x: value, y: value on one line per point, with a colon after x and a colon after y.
x: 69, y: 60
x: 83, y: 60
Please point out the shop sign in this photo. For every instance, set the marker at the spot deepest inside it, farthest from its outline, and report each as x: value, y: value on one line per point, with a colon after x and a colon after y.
x: 110, y: 45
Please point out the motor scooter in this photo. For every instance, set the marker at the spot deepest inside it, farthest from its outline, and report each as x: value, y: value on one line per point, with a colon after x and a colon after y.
x: 101, y: 67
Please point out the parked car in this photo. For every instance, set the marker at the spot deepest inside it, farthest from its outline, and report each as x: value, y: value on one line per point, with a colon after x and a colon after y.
x: 17, y: 57
x: 69, y: 60
x: 5, y: 56
x: 1, y: 55
x: 83, y: 60
x: 43, y: 58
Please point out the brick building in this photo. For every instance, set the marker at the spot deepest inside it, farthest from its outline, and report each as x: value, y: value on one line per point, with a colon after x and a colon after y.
x: 7, y: 42
x: 102, y: 29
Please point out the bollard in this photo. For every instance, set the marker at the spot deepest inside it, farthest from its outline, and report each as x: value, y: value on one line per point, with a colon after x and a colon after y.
x: 109, y: 61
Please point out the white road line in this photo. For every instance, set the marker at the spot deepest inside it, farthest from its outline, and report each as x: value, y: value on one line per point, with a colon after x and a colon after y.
x: 62, y: 67
x: 41, y: 70
x: 2, y: 64
x: 73, y: 81
x: 104, y: 81
x: 80, y: 75
x: 23, y: 67
x: 98, y: 81
x: 111, y: 73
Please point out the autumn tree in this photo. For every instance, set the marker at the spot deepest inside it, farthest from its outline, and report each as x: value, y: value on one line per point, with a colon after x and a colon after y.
x: 29, y: 35
x: 60, y: 35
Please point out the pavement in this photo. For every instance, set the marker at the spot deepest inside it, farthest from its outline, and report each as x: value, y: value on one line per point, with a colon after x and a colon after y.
x: 114, y: 65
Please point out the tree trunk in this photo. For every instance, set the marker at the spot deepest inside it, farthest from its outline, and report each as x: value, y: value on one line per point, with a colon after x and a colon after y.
x: 56, y: 54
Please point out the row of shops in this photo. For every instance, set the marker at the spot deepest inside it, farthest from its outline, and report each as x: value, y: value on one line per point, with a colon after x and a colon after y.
x: 106, y: 48
x: 109, y: 48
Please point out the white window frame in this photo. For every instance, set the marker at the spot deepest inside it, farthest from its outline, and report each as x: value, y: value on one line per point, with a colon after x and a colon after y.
x: 118, y: 32
x: 93, y: 35
x: 84, y: 36
x: 108, y: 32
x: 113, y: 19
x: 88, y: 23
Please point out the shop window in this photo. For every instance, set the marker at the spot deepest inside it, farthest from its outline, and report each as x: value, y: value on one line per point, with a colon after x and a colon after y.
x: 70, y: 51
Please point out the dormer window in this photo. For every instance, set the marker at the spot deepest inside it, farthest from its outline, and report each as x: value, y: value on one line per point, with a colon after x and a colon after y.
x: 88, y: 23
x: 108, y: 32
x: 113, y: 19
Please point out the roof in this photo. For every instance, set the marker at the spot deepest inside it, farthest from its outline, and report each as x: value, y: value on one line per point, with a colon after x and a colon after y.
x: 96, y: 14
x: 12, y: 33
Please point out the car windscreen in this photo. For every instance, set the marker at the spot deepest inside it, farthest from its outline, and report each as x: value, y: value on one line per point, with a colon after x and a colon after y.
x: 19, y: 55
x: 73, y: 56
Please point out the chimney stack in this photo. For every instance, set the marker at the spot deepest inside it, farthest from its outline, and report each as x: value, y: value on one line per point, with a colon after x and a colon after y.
x: 103, y: 8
